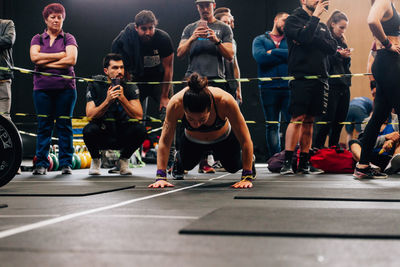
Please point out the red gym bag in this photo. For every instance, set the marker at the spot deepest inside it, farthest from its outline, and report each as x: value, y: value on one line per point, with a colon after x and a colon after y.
x: 333, y: 160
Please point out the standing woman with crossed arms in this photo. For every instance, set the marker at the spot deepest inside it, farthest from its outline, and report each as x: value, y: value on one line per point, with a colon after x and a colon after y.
x: 384, y: 22
x: 56, y: 52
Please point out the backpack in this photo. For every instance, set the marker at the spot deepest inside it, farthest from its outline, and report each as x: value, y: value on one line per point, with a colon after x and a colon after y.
x: 275, y: 162
x: 333, y: 160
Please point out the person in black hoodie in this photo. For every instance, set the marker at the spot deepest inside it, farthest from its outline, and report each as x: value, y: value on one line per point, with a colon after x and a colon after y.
x: 310, y: 43
x: 339, y: 88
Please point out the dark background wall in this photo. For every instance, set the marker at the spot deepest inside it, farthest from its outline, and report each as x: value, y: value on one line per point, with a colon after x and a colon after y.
x: 95, y: 23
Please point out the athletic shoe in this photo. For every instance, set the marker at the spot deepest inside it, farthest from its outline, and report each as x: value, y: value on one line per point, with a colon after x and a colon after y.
x: 124, y: 167
x: 177, y: 173
x: 393, y: 165
x: 114, y: 170
x: 217, y: 166
x: 66, y: 170
x: 377, y: 168
x: 95, y: 167
x: 39, y: 170
x: 368, y: 173
x: 205, y: 168
x: 287, y: 168
x: 307, y: 168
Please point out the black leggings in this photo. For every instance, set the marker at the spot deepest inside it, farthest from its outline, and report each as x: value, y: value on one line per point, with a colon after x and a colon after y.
x: 386, y: 70
x: 127, y: 137
x: 338, y: 106
x: 227, y: 151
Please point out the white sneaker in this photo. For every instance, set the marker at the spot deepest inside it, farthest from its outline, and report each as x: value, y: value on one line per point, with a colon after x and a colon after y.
x: 124, y: 167
x: 95, y: 167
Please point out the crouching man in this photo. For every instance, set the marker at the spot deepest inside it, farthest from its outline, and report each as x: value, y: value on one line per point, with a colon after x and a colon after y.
x: 113, y: 108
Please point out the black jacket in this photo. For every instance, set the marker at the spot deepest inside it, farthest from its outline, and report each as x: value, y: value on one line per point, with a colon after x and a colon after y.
x: 310, y: 43
x: 7, y: 39
x: 339, y: 65
x: 127, y: 44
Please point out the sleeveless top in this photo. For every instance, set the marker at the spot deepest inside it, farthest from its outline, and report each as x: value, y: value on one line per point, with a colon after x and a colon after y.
x: 391, y: 27
x: 218, y: 123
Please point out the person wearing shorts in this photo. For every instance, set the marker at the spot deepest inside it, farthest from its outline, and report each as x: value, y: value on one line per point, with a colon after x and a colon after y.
x: 310, y: 43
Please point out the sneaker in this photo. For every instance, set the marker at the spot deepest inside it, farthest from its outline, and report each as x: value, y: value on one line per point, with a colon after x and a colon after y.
x: 394, y: 165
x: 377, y: 168
x: 368, y: 173
x: 217, y: 166
x: 114, y: 170
x: 66, y: 170
x: 95, y: 167
x: 124, y: 167
x: 307, y: 168
x: 39, y: 170
x: 287, y: 168
x: 177, y: 174
x: 205, y: 168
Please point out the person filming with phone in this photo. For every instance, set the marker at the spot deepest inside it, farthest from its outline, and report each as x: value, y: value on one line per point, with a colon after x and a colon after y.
x: 339, y: 88
x: 114, y: 111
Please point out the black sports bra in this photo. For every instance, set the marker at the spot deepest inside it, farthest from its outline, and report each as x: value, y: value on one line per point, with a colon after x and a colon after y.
x: 391, y: 27
x: 218, y: 123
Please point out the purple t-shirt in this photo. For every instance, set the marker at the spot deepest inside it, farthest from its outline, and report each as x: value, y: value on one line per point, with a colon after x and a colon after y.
x: 41, y: 82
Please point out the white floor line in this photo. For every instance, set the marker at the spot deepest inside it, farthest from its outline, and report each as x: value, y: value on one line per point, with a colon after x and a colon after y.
x: 29, y: 216
x: 44, y: 223
x: 219, y: 177
x: 146, y: 217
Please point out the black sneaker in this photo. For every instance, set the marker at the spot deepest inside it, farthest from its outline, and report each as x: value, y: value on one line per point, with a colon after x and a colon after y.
x: 287, y: 168
x: 177, y: 173
x: 394, y: 165
x: 307, y: 168
x: 368, y: 173
x: 114, y: 170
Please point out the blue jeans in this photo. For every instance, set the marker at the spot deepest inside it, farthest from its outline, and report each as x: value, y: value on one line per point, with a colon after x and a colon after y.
x: 275, y: 103
x: 53, y: 104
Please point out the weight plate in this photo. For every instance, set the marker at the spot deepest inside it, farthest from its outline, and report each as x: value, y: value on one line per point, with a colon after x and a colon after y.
x: 10, y: 151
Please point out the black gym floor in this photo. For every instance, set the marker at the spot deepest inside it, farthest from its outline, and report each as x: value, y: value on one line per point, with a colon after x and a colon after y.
x: 113, y: 220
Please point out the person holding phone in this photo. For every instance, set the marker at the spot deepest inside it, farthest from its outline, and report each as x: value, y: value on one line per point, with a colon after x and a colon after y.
x: 310, y: 43
x: 111, y: 104
x: 339, y: 88
x: 206, y: 42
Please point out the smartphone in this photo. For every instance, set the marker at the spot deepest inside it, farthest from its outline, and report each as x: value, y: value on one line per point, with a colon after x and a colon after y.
x: 327, y: 7
x: 115, y: 81
x: 202, y: 23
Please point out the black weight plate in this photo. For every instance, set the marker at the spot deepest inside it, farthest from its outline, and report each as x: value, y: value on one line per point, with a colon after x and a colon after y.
x: 10, y: 151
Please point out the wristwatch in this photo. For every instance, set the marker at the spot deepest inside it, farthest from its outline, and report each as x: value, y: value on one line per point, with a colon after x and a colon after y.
x: 218, y: 43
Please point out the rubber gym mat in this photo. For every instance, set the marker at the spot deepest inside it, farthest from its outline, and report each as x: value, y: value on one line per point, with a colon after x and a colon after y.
x: 299, y: 222
x: 59, y: 189
x: 325, y: 194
